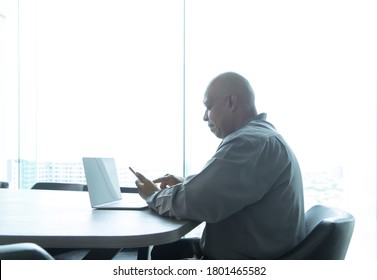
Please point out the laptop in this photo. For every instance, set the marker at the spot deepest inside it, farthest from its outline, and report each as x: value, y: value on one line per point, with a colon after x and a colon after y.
x: 103, y: 186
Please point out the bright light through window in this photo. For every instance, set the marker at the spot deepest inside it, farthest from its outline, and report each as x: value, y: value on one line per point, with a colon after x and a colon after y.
x: 108, y: 82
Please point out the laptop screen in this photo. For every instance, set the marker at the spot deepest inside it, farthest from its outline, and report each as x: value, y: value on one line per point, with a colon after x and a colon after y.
x: 102, y: 180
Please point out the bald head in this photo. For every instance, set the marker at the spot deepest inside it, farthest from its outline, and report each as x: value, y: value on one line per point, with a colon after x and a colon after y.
x: 230, y: 101
x: 233, y: 83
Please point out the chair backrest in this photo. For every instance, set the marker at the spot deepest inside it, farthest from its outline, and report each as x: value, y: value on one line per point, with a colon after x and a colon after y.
x: 59, y: 186
x: 329, y: 231
x: 23, y: 251
x: 73, y: 187
x: 128, y: 190
x: 4, y: 185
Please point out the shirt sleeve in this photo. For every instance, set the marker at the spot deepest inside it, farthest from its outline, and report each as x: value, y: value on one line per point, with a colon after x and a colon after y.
x: 239, y: 174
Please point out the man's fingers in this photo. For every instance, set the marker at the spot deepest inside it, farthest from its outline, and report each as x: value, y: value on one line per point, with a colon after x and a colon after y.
x: 158, y: 180
x: 138, y: 183
x: 161, y: 179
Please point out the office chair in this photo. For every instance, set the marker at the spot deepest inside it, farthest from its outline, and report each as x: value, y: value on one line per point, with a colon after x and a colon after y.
x: 68, y: 187
x: 329, y: 231
x: 4, y: 185
x: 58, y: 186
x: 128, y: 190
x: 23, y: 251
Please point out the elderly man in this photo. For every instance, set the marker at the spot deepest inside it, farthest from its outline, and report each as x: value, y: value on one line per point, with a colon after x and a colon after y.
x: 249, y: 193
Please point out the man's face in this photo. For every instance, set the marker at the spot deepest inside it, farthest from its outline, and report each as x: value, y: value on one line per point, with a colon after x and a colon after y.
x: 216, y: 114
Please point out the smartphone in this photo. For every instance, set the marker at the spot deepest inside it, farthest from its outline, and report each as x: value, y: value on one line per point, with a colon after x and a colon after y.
x: 133, y: 171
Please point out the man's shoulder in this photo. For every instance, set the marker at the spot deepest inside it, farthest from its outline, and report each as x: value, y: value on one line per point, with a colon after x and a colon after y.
x: 254, y: 130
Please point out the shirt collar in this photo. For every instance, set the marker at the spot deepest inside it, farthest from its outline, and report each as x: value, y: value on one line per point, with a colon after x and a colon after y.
x: 259, y: 117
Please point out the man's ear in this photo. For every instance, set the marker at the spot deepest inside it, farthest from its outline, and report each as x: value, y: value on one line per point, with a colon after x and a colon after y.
x: 232, y: 102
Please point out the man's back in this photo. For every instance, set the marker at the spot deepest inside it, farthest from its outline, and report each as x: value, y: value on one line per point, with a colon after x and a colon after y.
x: 266, y: 173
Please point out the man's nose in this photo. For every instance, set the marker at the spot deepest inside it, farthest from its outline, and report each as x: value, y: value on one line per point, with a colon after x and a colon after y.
x: 205, y: 117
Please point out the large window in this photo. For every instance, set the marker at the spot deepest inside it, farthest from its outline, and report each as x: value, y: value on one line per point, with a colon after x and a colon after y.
x: 8, y: 87
x: 99, y: 78
x: 110, y: 81
x: 126, y: 79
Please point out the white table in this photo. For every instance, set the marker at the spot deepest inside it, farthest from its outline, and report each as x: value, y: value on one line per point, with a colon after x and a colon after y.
x: 65, y: 219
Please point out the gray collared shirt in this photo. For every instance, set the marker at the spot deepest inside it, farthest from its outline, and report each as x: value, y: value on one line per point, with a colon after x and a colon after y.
x: 249, y: 193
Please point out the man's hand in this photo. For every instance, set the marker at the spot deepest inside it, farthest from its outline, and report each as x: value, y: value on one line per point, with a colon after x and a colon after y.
x: 145, y: 186
x: 168, y: 180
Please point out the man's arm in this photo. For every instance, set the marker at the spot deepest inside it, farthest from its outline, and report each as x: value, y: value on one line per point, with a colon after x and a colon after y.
x: 239, y: 174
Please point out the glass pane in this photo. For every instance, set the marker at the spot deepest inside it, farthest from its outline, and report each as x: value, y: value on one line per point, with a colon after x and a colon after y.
x: 313, y: 70
x: 109, y: 82
x: 8, y: 93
